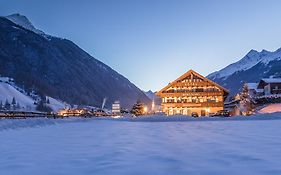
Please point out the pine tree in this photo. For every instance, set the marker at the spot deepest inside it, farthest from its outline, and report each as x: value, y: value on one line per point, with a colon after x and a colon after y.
x: 246, y: 102
x: 18, y: 106
x: 43, y: 107
x: 7, y: 105
x: 13, y: 104
x: 1, y: 105
x: 48, y: 101
x: 138, y: 109
x: 14, y: 101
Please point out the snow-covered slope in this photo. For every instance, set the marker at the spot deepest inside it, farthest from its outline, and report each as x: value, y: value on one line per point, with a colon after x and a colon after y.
x: 8, y: 92
x: 24, y: 22
x: 251, y: 59
x: 56, y: 105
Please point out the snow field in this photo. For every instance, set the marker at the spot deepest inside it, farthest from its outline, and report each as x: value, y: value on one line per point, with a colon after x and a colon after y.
x: 99, y: 146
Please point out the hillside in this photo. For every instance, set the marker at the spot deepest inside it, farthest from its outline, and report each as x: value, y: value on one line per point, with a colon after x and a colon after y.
x: 58, y: 68
x: 8, y: 92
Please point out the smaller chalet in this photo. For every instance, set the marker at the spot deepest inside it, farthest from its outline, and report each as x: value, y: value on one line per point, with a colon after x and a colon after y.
x: 270, y: 86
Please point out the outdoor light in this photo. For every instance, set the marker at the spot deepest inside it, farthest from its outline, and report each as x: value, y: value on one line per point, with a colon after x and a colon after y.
x: 145, y: 109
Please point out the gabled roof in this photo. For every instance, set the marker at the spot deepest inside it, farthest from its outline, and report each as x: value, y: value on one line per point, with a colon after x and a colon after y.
x: 264, y: 81
x: 271, y: 80
x: 187, y: 74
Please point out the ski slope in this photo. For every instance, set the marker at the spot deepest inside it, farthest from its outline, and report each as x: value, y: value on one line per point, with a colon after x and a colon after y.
x: 8, y: 92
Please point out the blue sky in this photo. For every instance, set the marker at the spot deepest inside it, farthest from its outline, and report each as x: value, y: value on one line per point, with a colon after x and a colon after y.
x: 152, y: 42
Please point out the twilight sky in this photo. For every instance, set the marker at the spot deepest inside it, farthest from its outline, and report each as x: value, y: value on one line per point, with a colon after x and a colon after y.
x: 152, y: 42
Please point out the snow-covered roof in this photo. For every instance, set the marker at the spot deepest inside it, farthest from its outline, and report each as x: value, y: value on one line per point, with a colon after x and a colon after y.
x: 252, y: 85
x: 272, y: 80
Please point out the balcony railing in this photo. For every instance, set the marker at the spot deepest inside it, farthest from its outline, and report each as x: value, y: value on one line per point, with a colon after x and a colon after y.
x: 201, y: 83
x: 183, y: 94
x: 193, y: 104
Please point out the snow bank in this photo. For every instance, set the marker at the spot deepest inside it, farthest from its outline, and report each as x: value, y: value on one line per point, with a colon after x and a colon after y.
x: 182, y: 118
x: 7, y: 124
x: 271, y: 108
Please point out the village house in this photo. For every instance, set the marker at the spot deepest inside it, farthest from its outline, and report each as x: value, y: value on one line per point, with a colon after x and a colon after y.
x: 266, y: 91
x: 192, y: 93
x: 270, y: 86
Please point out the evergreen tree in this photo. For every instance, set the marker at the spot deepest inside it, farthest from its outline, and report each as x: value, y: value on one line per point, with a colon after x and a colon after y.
x: 14, y: 101
x: 13, y: 104
x: 138, y: 109
x: 246, y: 101
x: 18, y: 106
x: 48, y: 101
x: 44, y: 99
x: 1, y: 105
x: 7, y: 105
x: 43, y: 107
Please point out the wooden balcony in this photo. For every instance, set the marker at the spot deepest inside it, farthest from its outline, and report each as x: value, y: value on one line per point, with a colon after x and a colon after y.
x: 192, y: 94
x: 190, y: 84
x: 191, y: 104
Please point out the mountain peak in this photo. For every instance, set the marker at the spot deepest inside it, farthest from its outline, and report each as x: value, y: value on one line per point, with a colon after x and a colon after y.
x: 252, y: 51
x: 251, y: 59
x: 23, y: 21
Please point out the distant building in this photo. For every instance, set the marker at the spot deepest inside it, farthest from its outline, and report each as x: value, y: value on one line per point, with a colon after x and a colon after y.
x: 190, y: 93
x: 253, y: 90
x: 72, y: 112
x: 270, y: 86
x: 116, y: 108
x: 266, y: 91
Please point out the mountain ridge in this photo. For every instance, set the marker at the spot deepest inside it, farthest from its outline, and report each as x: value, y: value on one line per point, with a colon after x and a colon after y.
x: 251, y: 68
x: 59, y: 68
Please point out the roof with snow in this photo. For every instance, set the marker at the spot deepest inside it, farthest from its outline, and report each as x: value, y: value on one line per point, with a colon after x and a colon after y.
x: 252, y: 85
x: 272, y: 80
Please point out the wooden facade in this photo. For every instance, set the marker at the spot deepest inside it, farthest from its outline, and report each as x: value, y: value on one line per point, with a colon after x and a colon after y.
x: 191, y: 93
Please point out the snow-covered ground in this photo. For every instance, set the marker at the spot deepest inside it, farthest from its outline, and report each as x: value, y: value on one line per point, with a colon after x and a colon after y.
x: 271, y: 108
x: 97, y: 146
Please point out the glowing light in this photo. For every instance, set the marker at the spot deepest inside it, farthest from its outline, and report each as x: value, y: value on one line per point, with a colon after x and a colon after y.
x: 145, y: 109
x: 153, y: 105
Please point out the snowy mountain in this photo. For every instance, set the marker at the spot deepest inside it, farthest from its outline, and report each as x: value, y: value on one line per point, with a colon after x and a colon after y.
x: 252, y: 67
x: 24, y: 22
x: 151, y: 95
x: 58, y: 68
